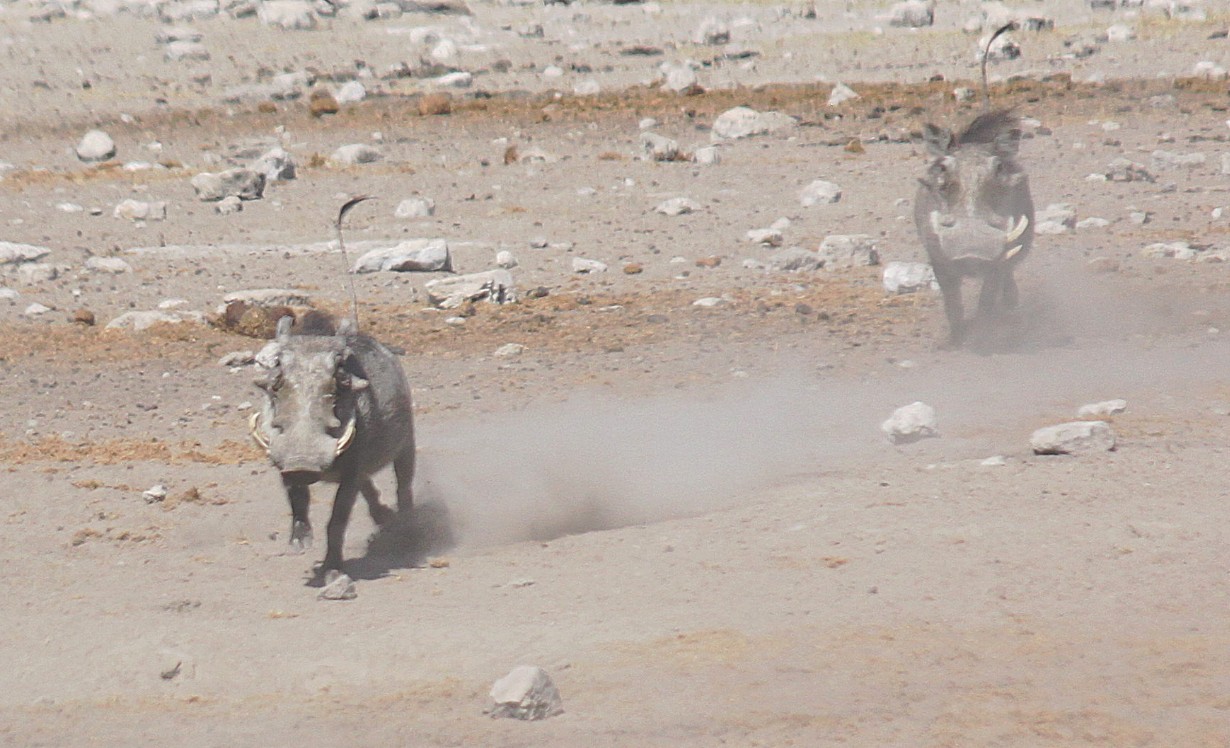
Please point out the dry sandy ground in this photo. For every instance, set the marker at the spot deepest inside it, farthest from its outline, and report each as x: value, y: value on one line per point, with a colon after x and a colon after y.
x: 687, y: 515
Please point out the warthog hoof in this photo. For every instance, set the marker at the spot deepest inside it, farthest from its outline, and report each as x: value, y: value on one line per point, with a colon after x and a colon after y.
x: 300, y: 536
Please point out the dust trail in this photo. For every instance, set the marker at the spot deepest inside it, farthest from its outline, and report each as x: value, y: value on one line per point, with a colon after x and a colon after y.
x: 599, y: 462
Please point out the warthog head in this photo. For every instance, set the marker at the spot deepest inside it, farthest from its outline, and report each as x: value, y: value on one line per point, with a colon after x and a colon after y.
x: 974, y: 199
x: 309, y: 418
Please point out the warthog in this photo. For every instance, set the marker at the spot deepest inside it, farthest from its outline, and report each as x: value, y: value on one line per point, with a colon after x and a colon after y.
x: 974, y: 213
x: 337, y: 409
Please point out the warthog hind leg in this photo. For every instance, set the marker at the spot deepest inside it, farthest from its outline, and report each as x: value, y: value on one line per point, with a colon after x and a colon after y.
x: 381, y: 514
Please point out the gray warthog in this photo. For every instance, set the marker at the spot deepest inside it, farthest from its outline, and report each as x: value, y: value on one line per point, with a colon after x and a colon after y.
x: 337, y: 409
x: 974, y: 213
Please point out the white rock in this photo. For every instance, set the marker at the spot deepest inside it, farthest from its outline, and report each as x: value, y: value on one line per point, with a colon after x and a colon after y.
x: 677, y: 206
x: 228, y: 205
x: 1168, y: 160
x: 525, y: 693
x: 185, y: 50
x: 505, y: 259
x: 659, y: 147
x: 246, y: 184
x: 1104, y: 408
x: 12, y: 253
x: 96, y: 145
x: 712, y: 31
x: 137, y: 210
x: 509, y: 350
x: 412, y: 255
x: 459, y: 79
x: 909, y: 423
x: 351, y: 92
x: 154, y: 494
x: 678, y: 78
x: 1075, y: 437
x: 1209, y: 70
x: 269, y: 297
x: 909, y: 277
x: 795, y: 260
x: 169, y: 34
x: 767, y: 237
x: 819, y: 192
x: 587, y: 87
x: 34, y: 273
x: 1092, y: 222
x: 356, y: 153
x: 841, y: 94
x: 416, y: 207
x: 1177, y: 250
x: 338, y: 586
x: 1120, y: 32
x: 8, y: 294
x: 553, y: 71
x: 1057, y: 218
x: 994, y: 461
x: 276, y: 164
x: 912, y: 14
x: 444, y: 51
x: 36, y: 309
x: 495, y: 286
x: 138, y: 321
x: 709, y: 302
x: 291, y: 15
x: 744, y: 122
x: 848, y: 250
x: 585, y: 267
x: 706, y: 155
x: 107, y: 265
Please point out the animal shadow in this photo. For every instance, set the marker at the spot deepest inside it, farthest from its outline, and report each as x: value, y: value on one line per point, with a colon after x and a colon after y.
x: 405, y: 542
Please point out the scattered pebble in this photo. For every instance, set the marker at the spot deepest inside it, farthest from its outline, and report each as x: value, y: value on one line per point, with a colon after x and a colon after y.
x: 910, y: 423
x: 1104, y: 408
x: 526, y: 693
x: 1075, y: 437
x: 96, y: 145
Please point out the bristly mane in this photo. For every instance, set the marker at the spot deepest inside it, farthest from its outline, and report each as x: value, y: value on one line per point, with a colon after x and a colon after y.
x: 985, y: 128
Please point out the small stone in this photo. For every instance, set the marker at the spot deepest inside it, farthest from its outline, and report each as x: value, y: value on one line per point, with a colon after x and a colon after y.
x: 819, y: 192
x: 765, y: 237
x: 1076, y: 437
x: 795, y: 260
x: 237, y: 358
x: 911, y: 423
x: 356, y: 153
x: 495, y: 286
x: 505, y: 259
x: 912, y: 14
x: 289, y: 15
x: 633, y: 268
x: 338, y: 586
x: 412, y: 255
x: 34, y: 273
x: 13, y: 253
x: 744, y: 122
x: 712, y: 32
x: 994, y: 461
x: 246, y: 184
x: 1125, y: 170
x: 96, y: 145
x: 1092, y: 222
x: 36, y: 309
x: 526, y: 693
x: 659, y: 147
x: 706, y: 155
x: 431, y: 104
x: 854, y: 146
x: 710, y: 262
x: 185, y: 50
x: 84, y: 317
x: 909, y: 277
x: 1163, y: 160
x: 351, y: 92
x: 585, y: 267
x: 228, y: 205
x: 113, y: 265
x: 509, y: 350
x: 848, y: 250
x: 276, y: 164
x: 1102, y: 409
x: 321, y: 102
x: 677, y: 206
x: 709, y: 302
x: 1179, y: 250
x: 154, y: 494
x: 134, y: 210
x: 679, y: 79
x: 138, y: 320
x: 1120, y: 32
x: 415, y: 207
x: 841, y: 93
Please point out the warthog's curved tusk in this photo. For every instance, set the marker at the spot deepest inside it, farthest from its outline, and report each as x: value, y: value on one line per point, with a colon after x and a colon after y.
x: 1011, y: 253
x: 1017, y: 231
x: 344, y: 441
x: 254, y: 428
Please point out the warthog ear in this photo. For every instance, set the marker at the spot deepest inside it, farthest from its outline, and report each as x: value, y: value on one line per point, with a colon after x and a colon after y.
x: 938, y: 140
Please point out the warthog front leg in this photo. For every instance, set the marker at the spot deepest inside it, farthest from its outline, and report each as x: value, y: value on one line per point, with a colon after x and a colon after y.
x: 343, y: 503
x: 300, y: 527
x: 403, y: 467
x: 950, y: 288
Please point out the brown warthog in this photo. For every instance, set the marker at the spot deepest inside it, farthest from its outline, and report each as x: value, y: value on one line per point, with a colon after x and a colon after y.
x: 974, y: 214
x: 337, y: 409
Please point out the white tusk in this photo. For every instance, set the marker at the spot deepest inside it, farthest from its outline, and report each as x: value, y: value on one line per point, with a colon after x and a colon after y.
x: 344, y: 441
x: 254, y: 427
x: 1017, y: 231
x: 1011, y: 253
